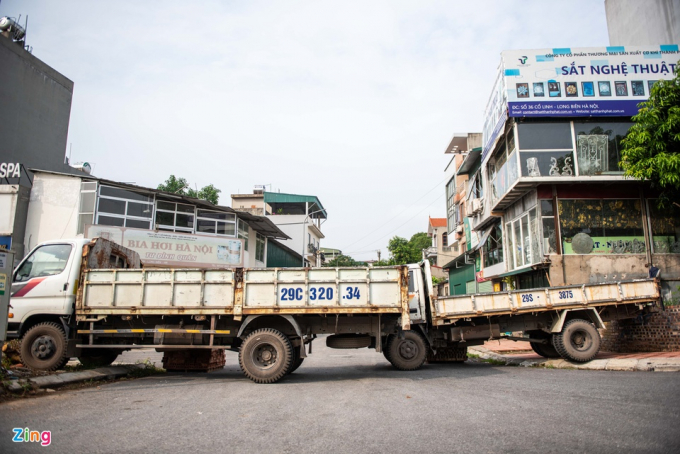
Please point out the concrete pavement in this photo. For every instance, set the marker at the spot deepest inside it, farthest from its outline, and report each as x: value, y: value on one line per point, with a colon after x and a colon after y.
x: 353, y: 401
x: 519, y: 353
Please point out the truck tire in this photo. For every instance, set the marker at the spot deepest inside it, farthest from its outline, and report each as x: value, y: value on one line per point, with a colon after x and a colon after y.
x: 297, y: 361
x: 579, y: 341
x: 408, y: 353
x: 546, y: 350
x: 98, y: 358
x: 43, y: 347
x: 265, y: 355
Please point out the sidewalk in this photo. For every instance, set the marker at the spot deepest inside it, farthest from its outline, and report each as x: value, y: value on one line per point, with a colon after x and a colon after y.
x: 512, y: 353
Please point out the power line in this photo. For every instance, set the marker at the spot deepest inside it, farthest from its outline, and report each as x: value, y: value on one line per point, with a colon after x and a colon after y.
x: 409, y: 220
x: 395, y: 216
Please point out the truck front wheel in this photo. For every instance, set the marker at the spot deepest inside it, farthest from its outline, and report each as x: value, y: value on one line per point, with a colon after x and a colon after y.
x: 579, y: 341
x: 408, y: 353
x: 265, y: 355
x: 43, y: 347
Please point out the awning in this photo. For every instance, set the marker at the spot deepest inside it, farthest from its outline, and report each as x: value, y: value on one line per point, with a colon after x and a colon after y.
x: 515, y: 272
x: 263, y: 225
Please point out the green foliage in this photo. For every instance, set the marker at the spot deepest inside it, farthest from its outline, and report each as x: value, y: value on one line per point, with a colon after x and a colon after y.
x: 400, y: 252
x: 404, y: 251
x: 181, y: 187
x: 343, y: 260
x: 651, y: 150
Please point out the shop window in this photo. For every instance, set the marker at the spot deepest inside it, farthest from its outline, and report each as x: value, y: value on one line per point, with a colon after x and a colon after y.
x: 175, y: 217
x: 544, y: 136
x: 123, y: 208
x: 598, y: 146
x: 547, y: 164
x: 243, y: 233
x: 259, y: 247
x: 88, y: 201
x: 601, y: 226
x: 665, y: 224
x: 523, y: 240
x: 548, y: 223
x: 215, y: 222
x: 493, y: 248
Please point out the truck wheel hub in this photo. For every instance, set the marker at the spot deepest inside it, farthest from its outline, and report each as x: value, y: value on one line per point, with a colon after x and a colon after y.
x: 43, y: 347
x: 408, y: 349
x: 265, y: 355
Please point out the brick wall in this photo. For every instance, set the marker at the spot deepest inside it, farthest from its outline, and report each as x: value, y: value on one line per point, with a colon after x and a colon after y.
x: 659, y: 332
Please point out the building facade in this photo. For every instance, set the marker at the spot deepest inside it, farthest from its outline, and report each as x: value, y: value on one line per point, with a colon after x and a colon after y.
x: 298, y: 216
x: 34, y: 119
x: 439, y: 253
x: 636, y: 23
x: 553, y: 207
x: 166, y: 229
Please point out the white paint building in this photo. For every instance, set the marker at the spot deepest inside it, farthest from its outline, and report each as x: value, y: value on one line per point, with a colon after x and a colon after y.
x: 298, y: 216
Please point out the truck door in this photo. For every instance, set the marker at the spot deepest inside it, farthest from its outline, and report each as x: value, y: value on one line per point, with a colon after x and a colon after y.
x: 415, y: 295
x: 41, y: 283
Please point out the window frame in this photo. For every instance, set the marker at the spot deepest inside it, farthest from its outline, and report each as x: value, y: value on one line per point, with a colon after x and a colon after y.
x: 125, y: 217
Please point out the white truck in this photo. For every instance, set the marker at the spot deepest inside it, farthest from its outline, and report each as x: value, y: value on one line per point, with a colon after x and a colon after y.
x: 92, y: 299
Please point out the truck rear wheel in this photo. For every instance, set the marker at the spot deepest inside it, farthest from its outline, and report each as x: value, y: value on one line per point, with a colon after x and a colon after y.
x: 296, y: 362
x: 546, y: 350
x: 43, y: 347
x: 408, y: 353
x: 265, y: 355
x: 579, y: 341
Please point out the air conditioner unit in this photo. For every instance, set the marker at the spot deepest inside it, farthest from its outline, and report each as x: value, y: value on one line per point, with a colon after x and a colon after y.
x: 477, y: 205
x: 459, y: 229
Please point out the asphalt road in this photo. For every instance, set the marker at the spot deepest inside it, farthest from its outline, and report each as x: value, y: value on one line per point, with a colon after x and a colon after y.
x: 352, y: 401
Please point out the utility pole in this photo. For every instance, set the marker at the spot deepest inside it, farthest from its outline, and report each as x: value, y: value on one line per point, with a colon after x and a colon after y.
x: 378, y: 254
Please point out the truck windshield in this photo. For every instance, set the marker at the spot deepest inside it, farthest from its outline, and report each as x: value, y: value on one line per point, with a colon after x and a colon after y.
x: 47, y: 260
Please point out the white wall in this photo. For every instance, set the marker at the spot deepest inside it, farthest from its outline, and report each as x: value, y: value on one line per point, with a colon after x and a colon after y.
x: 636, y: 22
x: 52, y: 209
x: 292, y: 225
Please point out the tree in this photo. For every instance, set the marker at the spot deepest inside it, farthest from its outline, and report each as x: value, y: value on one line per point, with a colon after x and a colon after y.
x: 404, y: 251
x: 400, y: 252
x: 181, y: 187
x: 651, y: 150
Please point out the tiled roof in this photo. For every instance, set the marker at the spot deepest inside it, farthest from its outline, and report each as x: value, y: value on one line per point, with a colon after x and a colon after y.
x: 438, y: 222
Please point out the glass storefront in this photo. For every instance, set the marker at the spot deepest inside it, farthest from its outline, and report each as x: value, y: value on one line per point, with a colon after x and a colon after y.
x: 601, y: 226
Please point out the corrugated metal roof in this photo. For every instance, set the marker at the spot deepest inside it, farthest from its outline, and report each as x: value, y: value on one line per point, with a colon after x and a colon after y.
x: 280, y: 197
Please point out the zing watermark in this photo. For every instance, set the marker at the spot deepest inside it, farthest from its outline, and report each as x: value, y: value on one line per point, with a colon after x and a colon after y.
x: 27, y: 436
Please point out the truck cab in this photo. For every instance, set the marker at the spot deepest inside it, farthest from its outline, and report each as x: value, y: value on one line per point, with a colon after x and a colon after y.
x: 44, y: 285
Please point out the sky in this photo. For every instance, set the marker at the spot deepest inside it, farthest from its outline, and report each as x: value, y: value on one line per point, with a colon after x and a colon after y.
x: 353, y: 102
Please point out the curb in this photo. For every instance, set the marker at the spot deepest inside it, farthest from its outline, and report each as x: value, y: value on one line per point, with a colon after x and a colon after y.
x: 613, y: 364
x: 69, y: 378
